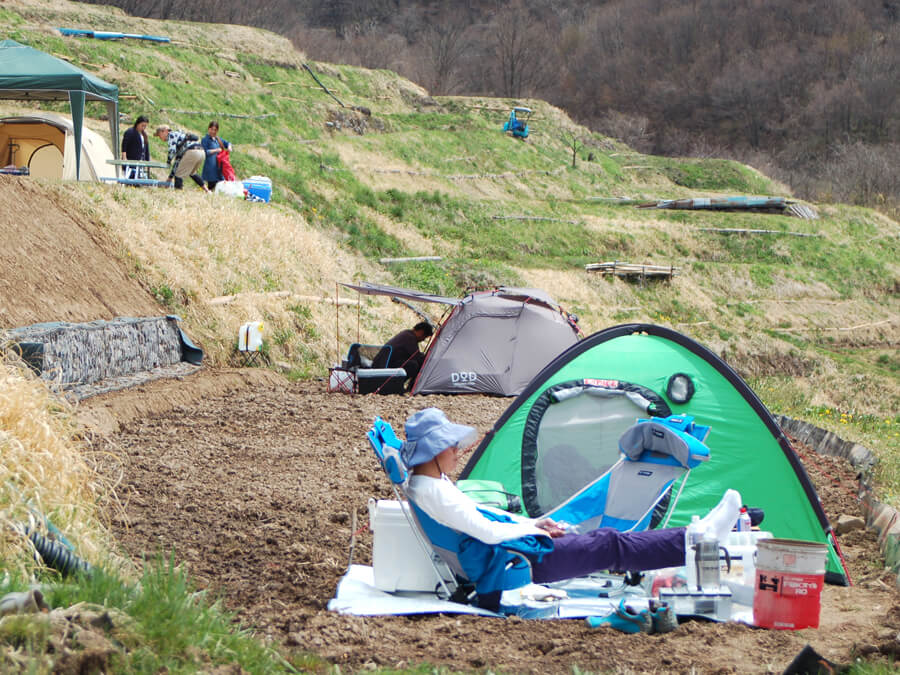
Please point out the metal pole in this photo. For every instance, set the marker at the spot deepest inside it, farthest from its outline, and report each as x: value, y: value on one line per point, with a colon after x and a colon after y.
x: 337, y: 325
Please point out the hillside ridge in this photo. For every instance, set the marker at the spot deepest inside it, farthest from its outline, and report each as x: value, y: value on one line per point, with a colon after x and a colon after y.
x: 807, y: 318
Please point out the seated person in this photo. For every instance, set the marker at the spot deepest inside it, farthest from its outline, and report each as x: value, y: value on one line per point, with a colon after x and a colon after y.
x: 431, y: 451
x: 405, y: 351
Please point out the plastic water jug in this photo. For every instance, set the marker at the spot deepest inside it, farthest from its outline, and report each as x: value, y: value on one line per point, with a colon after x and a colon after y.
x: 694, y: 536
x: 250, y: 337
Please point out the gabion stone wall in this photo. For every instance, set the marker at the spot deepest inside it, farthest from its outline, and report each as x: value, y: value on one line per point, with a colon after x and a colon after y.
x: 83, y: 353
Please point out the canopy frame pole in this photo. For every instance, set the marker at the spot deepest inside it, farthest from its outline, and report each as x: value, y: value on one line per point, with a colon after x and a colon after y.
x: 112, y: 111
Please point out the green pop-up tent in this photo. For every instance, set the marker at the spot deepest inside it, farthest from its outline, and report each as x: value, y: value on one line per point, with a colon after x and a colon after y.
x: 562, y: 432
x: 29, y: 74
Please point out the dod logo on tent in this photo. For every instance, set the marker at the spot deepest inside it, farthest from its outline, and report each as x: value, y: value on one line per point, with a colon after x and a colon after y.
x: 562, y: 432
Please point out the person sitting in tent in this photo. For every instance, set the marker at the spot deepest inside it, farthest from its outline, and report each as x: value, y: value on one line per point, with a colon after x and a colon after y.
x: 404, y: 352
x: 431, y: 451
x: 136, y: 145
x: 186, y: 155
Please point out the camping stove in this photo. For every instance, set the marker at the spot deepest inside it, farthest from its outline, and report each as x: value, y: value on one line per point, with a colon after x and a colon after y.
x: 713, y: 603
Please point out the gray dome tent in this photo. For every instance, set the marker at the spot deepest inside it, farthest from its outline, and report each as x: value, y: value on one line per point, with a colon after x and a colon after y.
x: 493, y: 342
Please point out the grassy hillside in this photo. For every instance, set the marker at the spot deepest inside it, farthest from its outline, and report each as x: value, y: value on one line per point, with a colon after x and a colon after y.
x: 812, y: 322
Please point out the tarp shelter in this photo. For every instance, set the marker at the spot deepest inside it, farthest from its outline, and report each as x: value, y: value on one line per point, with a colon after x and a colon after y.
x: 562, y: 431
x: 493, y: 342
x: 31, y: 75
x: 45, y: 143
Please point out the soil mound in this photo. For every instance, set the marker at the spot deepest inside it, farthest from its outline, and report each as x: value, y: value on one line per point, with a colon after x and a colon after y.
x: 57, y: 265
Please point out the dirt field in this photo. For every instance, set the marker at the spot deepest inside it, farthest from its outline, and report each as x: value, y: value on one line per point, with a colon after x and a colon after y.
x: 252, y: 481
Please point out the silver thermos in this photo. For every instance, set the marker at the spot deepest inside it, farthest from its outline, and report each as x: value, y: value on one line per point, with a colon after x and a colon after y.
x: 706, y: 558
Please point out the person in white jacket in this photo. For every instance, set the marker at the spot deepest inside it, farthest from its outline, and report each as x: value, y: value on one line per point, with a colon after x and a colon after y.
x: 431, y: 450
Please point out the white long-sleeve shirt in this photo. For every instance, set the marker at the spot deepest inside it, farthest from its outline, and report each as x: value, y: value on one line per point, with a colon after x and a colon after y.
x: 448, y: 505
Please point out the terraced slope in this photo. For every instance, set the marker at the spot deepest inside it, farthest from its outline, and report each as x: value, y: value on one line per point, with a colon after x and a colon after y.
x: 812, y: 321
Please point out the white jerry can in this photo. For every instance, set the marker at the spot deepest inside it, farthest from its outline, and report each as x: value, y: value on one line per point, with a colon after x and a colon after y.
x: 250, y: 337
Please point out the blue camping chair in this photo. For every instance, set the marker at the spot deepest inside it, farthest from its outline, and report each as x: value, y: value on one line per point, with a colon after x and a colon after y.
x: 459, y: 560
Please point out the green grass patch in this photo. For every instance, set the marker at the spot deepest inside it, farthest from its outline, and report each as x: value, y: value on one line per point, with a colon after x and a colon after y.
x: 161, y: 624
x: 714, y: 174
x: 881, y: 435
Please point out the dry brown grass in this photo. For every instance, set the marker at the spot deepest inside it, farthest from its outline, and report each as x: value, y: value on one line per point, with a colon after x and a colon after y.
x: 281, y: 269
x: 44, y: 473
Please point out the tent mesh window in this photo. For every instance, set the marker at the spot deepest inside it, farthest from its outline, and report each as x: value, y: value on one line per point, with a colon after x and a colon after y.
x: 572, y: 436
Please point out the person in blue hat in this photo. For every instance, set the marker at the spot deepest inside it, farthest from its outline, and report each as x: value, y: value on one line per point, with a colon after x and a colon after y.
x: 431, y: 451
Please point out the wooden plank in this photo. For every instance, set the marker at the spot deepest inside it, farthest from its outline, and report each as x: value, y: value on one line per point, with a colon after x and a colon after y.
x: 557, y: 220
x: 624, y: 269
x: 228, y: 299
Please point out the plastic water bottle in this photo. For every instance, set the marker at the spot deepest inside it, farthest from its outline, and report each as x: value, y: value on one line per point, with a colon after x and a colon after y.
x: 744, y: 528
x: 695, y: 532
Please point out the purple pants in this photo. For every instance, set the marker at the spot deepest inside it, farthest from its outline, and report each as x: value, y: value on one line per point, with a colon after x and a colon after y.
x: 577, y: 555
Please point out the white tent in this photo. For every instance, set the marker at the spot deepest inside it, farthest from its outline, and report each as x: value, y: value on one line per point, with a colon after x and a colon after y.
x: 45, y: 143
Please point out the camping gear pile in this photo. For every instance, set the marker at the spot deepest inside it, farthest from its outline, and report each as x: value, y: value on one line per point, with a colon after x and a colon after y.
x: 565, y: 427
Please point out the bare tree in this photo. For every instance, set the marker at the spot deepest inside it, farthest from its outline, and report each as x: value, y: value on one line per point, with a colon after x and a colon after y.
x: 522, y: 52
x: 444, y: 45
x: 575, y: 143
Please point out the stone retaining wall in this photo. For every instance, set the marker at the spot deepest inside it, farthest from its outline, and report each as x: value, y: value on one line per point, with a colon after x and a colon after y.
x: 882, y: 518
x: 78, y: 354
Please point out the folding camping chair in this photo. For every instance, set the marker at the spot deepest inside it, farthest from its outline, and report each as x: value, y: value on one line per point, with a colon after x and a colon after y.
x: 454, y: 555
x: 654, y: 454
x: 368, y: 363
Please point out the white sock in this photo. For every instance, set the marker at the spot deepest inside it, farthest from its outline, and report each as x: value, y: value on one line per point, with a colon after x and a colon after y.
x: 724, y: 515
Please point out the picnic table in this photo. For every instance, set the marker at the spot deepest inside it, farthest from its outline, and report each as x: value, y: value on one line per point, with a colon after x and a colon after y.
x: 150, y: 164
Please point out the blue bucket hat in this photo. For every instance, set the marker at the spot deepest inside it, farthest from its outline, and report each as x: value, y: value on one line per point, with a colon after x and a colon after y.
x: 429, y: 433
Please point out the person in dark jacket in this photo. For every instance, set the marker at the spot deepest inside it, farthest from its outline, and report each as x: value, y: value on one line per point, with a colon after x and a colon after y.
x: 136, y: 145
x: 405, y: 351
x: 213, y: 145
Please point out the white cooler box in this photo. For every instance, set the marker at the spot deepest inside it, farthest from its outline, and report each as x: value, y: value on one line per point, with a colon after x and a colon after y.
x: 398, y: 560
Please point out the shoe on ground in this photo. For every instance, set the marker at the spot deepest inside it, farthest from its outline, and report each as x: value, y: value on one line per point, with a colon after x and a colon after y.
x: 624, y: 619
x: 663, y: 617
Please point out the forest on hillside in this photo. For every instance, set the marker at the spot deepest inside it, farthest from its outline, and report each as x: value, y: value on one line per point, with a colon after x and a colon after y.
x: 804, y: 90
